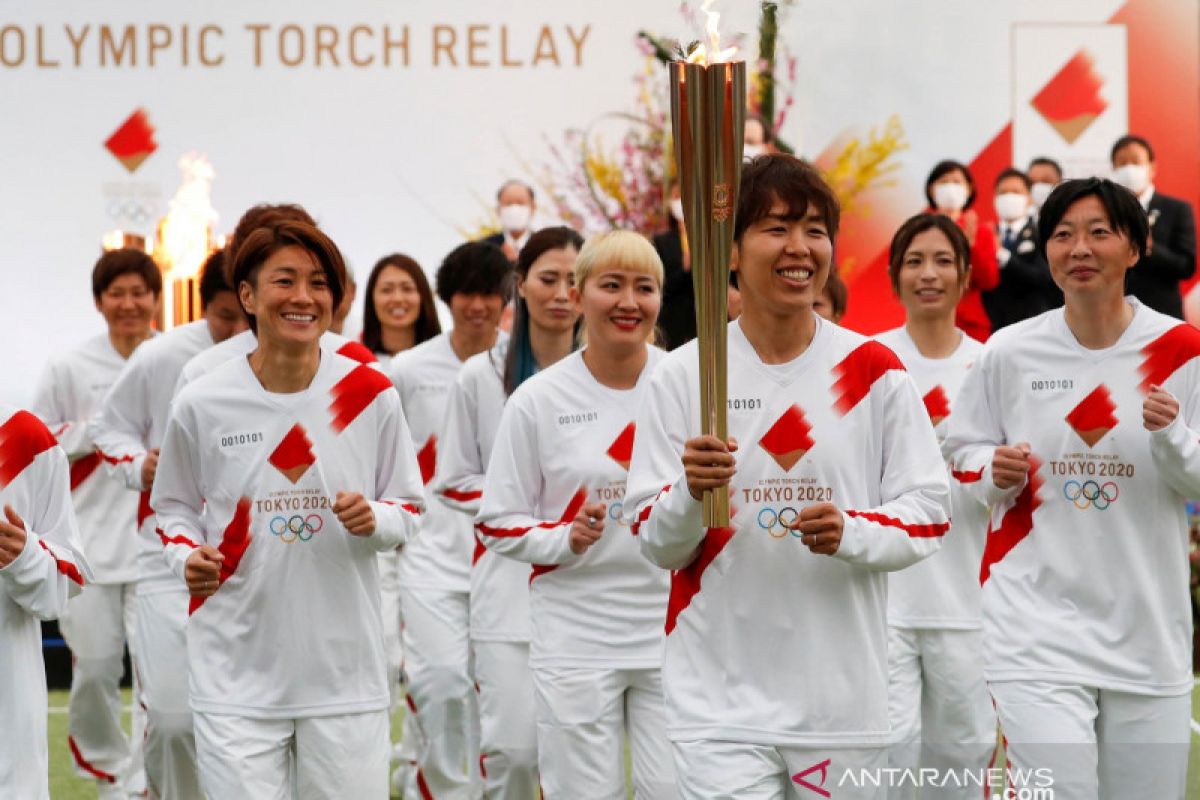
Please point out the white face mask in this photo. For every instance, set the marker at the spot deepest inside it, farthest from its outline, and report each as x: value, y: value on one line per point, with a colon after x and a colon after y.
x: 1040, y: 192
x: 750, y: 151
x: 950, y: 196
x: 1134, y: 177
x: 1011, y: 206
x: 677, y: 209
x: 515, y: 217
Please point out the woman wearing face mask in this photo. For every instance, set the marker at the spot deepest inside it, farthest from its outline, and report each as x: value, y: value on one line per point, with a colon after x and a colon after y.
x: 399, y: 312
x: 938, y: 704
x: 950, y: 190
x: 552, y: 498
x: 543, y: 333
x: 677, y: 322
x: 282, y: 475
x: 1026, y: 288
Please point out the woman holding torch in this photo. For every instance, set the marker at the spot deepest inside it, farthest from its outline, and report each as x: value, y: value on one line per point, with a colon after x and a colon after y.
x: 552, y: 498
x: 282, y: 475
x: 775, y: 663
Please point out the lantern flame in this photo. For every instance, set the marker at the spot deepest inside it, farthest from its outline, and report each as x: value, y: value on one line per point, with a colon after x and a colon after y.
x: 712, y: 53
x: 185, y: 233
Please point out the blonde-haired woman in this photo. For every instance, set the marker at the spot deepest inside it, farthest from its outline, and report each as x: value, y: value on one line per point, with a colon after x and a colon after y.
x: 552, y: 498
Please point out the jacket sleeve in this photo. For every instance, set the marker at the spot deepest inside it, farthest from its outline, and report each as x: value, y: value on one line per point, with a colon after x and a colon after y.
x: 975, y: 431
x: 659, y: 509
x: 54, y: 407
x: 121, y: 425
x: 507, y: 521
x: 51, y: 567
x: 400, y: 498
x: 1176, y: 448
x: 459, y: 478
x: 914, y: 513
x: 985, y: 270
x: 178, y: 494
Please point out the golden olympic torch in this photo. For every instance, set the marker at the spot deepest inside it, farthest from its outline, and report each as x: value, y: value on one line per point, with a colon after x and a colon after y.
x: 708, y: 116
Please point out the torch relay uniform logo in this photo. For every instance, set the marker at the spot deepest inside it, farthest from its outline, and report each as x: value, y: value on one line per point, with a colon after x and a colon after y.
x: 1094, y: 416
x: 788, y: 439
x: 294, y: 454
x: 132, y: 142
x: 1072, y: 100
x: 297, y: 526
x: 621, y: 450
x: 937, y: 405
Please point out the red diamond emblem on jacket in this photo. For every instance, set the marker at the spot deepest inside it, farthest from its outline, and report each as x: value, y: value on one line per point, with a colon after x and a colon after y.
x: 1093, y: 417
x: 937, y: 405
x: 621, y: 450
x: 294, y: 454
x: 787, y: 441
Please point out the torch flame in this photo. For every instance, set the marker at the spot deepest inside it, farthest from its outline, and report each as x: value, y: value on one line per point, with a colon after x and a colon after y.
x: 185, y: 233
x: 712, y: 54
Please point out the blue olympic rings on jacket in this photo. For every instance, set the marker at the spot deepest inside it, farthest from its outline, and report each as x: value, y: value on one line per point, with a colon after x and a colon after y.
x: 778, y: 522
x: 289, y: 529
x: 1089, y: 493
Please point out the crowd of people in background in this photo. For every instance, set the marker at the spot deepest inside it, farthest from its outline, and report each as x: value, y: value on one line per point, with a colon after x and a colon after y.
x: 501, y: 526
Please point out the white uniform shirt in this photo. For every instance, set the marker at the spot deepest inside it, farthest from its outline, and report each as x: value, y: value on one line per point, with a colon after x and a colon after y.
x: 70, y: 391
x: 295, y: 627
x: 133, y: 418
x: 1085, y: 571
x: 499, y: 585
x: 246, y: 342
x: 943, y: 590
x: 565, y: 440
x: 34, y: 480
x: 767, y: 642
x: 440, y: 557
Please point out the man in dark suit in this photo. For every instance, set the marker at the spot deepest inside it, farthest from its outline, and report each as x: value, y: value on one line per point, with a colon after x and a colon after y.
x: 515, y: 206
x: 1026, y: 288
x: 1171, y: 251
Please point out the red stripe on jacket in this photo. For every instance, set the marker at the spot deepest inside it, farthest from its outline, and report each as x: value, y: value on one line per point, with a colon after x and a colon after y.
x: 857, y: 373
x: 928, y: 530
x: 233, y: 546
x: 22, y: 439
x: 1168, y: 353
x: 1016, y: 524
x: 685, y: 583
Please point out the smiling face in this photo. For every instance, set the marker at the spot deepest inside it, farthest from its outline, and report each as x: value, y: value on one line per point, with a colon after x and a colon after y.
x: 128, y: 306
x: 397, y: 299
x: 782, y: 261
x: 290, y: 298
x: 930, y: 281
x: 619, y: 306
x: 1088, y: 257
x: 547, y: 290
x: 476, y: 314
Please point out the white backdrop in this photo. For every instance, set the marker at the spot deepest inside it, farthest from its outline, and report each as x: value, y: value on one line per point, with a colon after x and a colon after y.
x: 397, y: 157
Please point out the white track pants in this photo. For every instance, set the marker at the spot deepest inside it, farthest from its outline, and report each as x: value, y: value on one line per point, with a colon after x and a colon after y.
x: 508, y: 725
x: 311, y: 758
x: 97, y: 624
x: 714, y: 770
x: 162, y: 667
x: 442, y: 692
x: 389, y: 591
x: 1095, y: 743
x: 939, y: 708
x: 583, y: 717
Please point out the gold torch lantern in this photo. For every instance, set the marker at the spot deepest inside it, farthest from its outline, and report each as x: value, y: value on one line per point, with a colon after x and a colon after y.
x: 708, y: 117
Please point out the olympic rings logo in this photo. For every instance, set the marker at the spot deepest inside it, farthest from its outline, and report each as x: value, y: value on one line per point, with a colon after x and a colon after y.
x: 289, y: 529
x: 614, y: 512
x: 778, y: 523
x: 1089, y: 493
x: 130, y: 210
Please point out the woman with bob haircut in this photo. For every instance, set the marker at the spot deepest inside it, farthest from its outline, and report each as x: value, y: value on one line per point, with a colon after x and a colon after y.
x: 552, y: 498
x: 543, y: 333
x: 1081, y: 430
x: 837, y: 479
x: 938, y: 704
x: 282, y: 475
x: 399, y: 312
x: 950, y: 190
